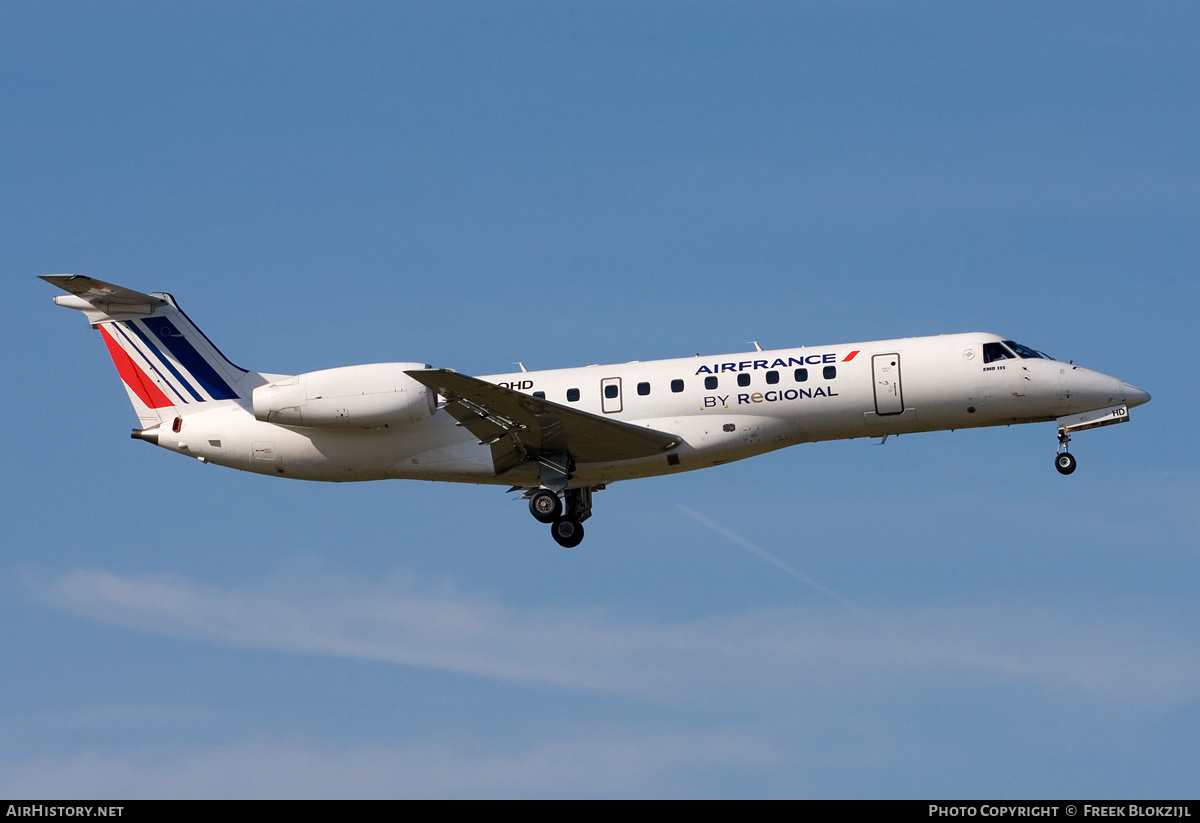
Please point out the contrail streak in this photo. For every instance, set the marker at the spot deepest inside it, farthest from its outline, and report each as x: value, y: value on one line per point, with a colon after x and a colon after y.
x: 766, y: 555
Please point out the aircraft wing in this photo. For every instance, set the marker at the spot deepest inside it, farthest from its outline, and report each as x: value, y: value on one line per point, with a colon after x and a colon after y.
x: 519, y: 427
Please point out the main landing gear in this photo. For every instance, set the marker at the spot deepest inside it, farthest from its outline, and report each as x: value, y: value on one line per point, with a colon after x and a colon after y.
x: 567, y: 532
x: 1064, y: 461
x: 545, y: 506
x: 566, y: 521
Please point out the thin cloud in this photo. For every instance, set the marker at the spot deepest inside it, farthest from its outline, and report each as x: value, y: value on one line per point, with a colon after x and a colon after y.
x: 395, y: 624
x: 1104, y: 652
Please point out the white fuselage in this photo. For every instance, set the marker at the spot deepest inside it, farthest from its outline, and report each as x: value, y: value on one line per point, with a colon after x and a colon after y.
x: 788, y: 397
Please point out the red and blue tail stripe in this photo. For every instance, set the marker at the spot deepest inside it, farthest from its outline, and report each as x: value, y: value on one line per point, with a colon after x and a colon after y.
x: 128, y: 332
x: 155, y: 360
x: 137, y: 380
x: 200, y: 370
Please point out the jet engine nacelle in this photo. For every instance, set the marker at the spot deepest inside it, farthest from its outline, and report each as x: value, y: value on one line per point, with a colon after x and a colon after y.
x: 379, y: 394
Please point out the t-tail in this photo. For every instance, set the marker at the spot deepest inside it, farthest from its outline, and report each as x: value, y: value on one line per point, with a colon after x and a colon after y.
x: 167, y: 364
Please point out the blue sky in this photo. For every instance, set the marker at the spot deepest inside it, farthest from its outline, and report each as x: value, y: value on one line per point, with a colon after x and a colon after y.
x: 473, y: 184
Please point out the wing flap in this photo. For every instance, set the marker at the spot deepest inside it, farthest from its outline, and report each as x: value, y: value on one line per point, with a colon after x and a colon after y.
x: 532, y: 425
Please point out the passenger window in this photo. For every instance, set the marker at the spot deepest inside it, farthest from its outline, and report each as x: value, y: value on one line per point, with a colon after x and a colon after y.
x: 801, y: 375
x: 572, y: 395
x: 829, y: 372
x: 744, y: 379
x: 540, y: 395
x: 710, y: 382
x: 676, y: 386
x: 772, y: 377
x: 643, y: 388
x: 611, y: 391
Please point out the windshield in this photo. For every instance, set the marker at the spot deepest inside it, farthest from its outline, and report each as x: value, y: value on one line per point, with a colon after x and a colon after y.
x: 1026, y: 352
x: 997, y: 351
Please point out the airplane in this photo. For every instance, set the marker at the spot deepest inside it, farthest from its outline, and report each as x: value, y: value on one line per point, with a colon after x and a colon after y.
x: 562, y: 434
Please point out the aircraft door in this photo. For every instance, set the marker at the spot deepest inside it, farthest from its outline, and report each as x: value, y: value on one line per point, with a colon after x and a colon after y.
x: 610, y: 394
x: 889, y: 395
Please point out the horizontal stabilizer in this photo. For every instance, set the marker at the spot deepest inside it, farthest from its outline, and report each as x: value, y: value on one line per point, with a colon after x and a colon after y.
x: 102, y: 302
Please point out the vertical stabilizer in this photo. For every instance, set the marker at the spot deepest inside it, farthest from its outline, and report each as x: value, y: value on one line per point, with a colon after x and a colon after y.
x: 167, y: 364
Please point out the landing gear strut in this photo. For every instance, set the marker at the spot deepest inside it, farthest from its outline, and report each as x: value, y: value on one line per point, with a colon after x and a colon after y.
x: 568, y: 529
x: 1064, y: 461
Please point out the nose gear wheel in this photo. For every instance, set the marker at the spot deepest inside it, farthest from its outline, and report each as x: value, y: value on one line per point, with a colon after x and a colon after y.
x: 1064, y: 461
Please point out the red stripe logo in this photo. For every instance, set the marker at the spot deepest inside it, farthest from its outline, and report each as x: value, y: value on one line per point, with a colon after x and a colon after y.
x: 850, y: 356
x: 134, y: 377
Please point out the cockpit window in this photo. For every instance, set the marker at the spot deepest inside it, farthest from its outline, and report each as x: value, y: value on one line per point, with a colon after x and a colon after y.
x: 996, y: 351
x: 1026, y: 352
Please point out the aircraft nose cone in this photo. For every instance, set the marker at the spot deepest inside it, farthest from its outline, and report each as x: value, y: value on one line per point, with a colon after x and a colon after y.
x: 1133, y: 395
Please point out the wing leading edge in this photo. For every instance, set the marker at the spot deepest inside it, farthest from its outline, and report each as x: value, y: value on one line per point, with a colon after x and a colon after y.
x: 519, y: 427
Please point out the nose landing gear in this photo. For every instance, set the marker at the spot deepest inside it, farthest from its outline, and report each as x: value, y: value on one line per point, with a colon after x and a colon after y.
x: 1109, y: 416
x: 1064, y: 461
